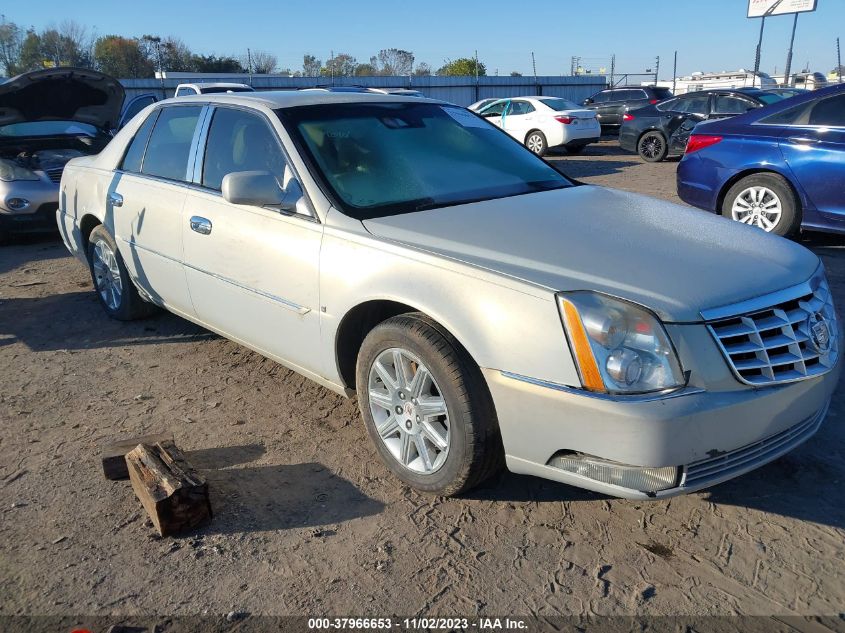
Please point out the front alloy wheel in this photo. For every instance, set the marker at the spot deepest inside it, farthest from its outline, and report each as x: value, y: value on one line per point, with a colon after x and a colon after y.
x: 409, y: 411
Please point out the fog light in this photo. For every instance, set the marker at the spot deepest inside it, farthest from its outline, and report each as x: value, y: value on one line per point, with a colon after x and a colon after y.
x: 607, y: 472
x: 17, y: 204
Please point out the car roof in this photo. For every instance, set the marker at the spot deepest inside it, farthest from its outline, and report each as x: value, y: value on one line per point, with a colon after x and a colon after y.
x: 215, y: 84
x: 275, y: 99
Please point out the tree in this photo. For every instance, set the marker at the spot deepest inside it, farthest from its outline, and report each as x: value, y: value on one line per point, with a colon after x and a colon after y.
x: 365, y: 70
x: 122, y: 57
x: 395, y: 62
x: 422, y: 70
x: 310, y: 66
x: 463, y: 66
x: 262, y: 63
x: 11, y: 41
x: 516, y: 73
x: 341, y: 65
x: 839, y: 70
x: 175, y: 55
x: 214, y: 64
x: 31, y: 57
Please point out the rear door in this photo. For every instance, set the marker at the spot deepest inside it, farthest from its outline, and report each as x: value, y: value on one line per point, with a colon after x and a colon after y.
x: 252, y: 271
x: 814, y: 147
x: 145, y: 203
x: 610, y: 111
x: 679, y: 122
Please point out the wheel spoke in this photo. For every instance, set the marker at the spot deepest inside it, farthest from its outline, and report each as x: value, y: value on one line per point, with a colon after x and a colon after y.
x: 388, y: 427
x: 742, y: 204
x: 433, y: 406
x: 386, y: 378
x: 433, y: 436
x: 418, y: 382
x: 422, y: 451
x: 401, y: 370
x: 381, y: 399
x: 405, y: 450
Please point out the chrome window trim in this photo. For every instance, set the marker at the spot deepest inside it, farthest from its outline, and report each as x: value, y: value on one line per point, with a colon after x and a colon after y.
x: 290, y: 305
x: 640, y: 397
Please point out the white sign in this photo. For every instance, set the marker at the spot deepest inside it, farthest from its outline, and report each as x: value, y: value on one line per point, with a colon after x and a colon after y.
x: 760, y: 8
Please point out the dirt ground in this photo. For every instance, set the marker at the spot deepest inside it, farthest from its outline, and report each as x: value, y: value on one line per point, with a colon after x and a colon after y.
x: 308, y: 522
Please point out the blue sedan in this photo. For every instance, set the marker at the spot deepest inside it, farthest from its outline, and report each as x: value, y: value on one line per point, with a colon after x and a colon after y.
x: 779, y: 168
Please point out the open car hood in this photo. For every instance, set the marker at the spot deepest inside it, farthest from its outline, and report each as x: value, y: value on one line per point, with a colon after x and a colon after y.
x: 62, y: 94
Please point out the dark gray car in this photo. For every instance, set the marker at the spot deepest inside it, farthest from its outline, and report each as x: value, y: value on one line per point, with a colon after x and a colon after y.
x: 611, y: 104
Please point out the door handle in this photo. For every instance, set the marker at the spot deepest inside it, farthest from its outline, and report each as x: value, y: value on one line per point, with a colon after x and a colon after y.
x: 803, y: 140
x: 115, y: 199
x: 200, y: 225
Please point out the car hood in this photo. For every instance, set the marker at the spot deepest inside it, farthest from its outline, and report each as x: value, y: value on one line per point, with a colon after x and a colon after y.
x: 62, y: 94
x: 673, y: 259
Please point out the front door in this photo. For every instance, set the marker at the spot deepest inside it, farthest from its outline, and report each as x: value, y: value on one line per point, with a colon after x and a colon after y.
x: 145, y: 204
x: 252, y: 271
x: 520, y: 118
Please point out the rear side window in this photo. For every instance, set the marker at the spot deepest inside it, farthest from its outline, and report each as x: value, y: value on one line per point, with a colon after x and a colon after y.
x: 170, y: 143
x: 602, y: 97
x: 670, y: 105
x: 521, y: 107
x: 829, y: 112
x: 724, y: 104
x: 135, y: 152
x: 137, y: 105
x: 693, y: 105
x: 240, y: 141
x: 790, y: 116
x: 661, y: 93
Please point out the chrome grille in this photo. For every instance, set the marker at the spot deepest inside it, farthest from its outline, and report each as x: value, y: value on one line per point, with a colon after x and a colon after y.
x: 751, y: 456
x: 784, y: 342
x: 55, y: 174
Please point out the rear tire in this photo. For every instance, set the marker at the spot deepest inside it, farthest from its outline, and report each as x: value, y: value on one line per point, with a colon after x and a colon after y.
x: 468, y: 447
x: 652, y: 147
x: 117, y: 294
x: 765, y: 201
x: 536, y: 142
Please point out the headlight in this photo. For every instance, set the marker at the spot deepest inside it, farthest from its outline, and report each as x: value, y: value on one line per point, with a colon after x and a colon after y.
x: 9, y: 171
x: 618, y: 347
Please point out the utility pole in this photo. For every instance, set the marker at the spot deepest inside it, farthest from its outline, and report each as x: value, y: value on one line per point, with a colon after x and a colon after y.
x: 534, y: 66
x: 838, y: 60
x: 656, y: 68
x: 331, y: 66
x: 612, y: 69
x: 759, y: 48
x: 477, y: 90
x: 674, y: 72
x: 249, y: 64
x: 786, y: 78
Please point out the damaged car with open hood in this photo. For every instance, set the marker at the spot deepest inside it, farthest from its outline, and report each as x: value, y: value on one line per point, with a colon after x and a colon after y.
x: 48, y: 117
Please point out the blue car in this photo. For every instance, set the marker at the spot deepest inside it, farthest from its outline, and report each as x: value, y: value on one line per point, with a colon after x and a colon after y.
x: 779, y: 168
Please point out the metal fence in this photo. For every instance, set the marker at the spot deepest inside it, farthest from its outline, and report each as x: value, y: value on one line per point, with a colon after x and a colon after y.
x: 458, y: 90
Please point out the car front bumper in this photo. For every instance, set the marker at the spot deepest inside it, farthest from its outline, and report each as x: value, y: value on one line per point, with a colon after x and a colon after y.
x: 709, y: 437
x: 41, y: 196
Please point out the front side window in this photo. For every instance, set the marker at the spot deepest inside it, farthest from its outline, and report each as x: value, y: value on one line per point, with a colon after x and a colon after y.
x: 378, y: 159
x: 170, y: 143
x: 135, y: 152
x: 495, y: 109
x: 240, y: 141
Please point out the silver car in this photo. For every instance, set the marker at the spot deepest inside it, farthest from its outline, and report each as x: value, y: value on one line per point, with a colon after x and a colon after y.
x: 485, y: 309
x: 48, y: 117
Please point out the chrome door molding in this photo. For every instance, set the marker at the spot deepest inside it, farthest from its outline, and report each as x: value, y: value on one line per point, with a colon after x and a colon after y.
x: 289, y: 305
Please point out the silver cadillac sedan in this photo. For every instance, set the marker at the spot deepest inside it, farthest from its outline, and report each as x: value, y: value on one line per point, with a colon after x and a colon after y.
x: 486, y: 309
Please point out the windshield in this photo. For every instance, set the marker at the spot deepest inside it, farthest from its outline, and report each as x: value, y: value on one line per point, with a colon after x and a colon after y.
x: 379, y: 159
x: 47, y: 128
x: 560, y: 104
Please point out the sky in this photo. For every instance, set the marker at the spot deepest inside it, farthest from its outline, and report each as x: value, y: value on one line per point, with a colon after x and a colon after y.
x: 709, y: 35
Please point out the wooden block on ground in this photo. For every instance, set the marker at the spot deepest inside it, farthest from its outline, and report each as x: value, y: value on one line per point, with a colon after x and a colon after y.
x: 171, y: 491
x: 114, y: 453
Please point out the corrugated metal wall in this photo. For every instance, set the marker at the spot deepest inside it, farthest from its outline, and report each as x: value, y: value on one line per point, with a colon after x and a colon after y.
x: 459, y: 90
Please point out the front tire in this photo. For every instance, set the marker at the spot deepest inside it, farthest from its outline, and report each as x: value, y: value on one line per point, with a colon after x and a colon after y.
x: 765, y: 201
x: 115, y: 290
x: 536, y: 142
x: 426, y: 406
x: 652, y: 147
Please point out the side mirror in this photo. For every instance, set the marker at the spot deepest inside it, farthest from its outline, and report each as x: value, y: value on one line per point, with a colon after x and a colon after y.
x: 258, y: 188
x: 587, y: 102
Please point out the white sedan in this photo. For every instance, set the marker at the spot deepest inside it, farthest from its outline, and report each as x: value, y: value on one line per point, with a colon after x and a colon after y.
x: 544, y: 122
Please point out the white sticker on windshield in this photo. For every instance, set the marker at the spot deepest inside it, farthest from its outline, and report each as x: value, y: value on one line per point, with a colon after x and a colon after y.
x: 466, y: 118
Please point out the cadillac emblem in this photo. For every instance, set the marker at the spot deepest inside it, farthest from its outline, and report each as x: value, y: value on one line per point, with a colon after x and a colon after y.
x: 819, y: 331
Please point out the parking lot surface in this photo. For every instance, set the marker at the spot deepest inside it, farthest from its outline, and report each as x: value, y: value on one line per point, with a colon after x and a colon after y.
x: 308, y: 521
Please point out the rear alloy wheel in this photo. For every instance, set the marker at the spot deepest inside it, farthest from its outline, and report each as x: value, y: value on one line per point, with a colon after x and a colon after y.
x: 536, y: 142
x: 114, y: 288
x: 426, y: 406
x: 652, y: 147
x: 765, y: 201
